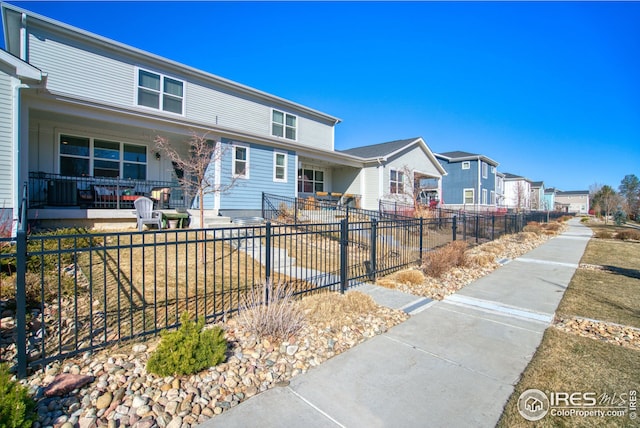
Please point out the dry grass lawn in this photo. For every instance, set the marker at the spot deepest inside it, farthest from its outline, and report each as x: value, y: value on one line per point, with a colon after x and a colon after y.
x: 567, y: 362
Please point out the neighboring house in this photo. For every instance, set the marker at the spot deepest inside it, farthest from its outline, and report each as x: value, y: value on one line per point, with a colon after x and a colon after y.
x: 550, y: 198
x: 80, y: 113
x: 500, y: 199
x: 517, y: 192
x: 573, y: 201
x: 537, y: 199
x: 393, y: 171
x: 470, y: 182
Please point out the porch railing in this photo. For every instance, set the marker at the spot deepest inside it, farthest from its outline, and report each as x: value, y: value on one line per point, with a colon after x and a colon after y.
x: 55, y: 190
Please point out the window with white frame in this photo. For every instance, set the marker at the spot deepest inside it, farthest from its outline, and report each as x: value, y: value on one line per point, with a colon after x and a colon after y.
x: 95, y: 157
x: 493, y: 197
x: 468, y: 196
x: 240, y: 165
x: 396, y: 182
x: 160, y: 92
x: 485, y: 170
x: 493, y: 170
x: 466, y: 165
x: 484, y: 196
x: 283, y: 125
x: 280, y: 167
x: 310, y: 180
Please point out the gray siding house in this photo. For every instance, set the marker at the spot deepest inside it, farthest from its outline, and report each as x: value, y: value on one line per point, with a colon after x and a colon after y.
x: 470, y: 182
x: 80, y: 114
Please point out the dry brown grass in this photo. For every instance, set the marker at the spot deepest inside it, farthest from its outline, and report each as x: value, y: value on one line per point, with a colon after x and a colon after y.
x: 328, y: 307
x: 628, y: 235
x: 411, y: 277
x: 437, y: 262
x: 567, y: 362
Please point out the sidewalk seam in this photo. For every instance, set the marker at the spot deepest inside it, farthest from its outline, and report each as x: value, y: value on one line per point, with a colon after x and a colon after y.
x: 316, y: 408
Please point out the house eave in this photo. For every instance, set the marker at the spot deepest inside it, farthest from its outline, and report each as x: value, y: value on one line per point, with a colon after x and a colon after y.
x: 163, y: 63
x: 21, y: 69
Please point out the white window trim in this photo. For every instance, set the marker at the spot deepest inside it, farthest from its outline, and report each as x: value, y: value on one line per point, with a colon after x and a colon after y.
x: 484, y: 197
x: 485, y: 170
x: 161, y: 92
x: 401, y: 183
x: 91, y: 158
x: 247, y: 170
x: 286, y: 167
x: 492, y: 197
x: 473, y: 196
x: 466, y: 165
x: 493, y: 170
x: 284, y: 136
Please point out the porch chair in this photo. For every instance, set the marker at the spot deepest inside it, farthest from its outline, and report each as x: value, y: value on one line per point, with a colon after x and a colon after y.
x: 145, y: 214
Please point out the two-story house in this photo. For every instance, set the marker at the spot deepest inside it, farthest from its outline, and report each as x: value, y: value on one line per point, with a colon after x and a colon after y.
x: 470, y: 182
x: 517, y: 192
x: 80, y: 114
x: 572, y: 201
x: 538, y: 202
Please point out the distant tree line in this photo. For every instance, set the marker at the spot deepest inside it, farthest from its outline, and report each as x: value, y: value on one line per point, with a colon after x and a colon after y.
x: 607, y: 202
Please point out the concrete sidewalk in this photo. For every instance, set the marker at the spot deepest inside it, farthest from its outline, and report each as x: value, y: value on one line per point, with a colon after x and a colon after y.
x: 454, y: 363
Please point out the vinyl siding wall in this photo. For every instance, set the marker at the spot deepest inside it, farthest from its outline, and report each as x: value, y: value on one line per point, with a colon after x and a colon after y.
x: 86, y: 71
x: 6, y: 138
x: 246, y: 194
x: 370, y: 194
x: 458, y: 179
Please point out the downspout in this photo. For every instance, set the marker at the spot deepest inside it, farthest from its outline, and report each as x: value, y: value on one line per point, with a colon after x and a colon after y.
x: 23, y: 37
x: 17, y: 170
x: 479, y: 163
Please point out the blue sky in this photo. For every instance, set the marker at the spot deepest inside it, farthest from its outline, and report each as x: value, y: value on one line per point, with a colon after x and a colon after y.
x: 550, y: 90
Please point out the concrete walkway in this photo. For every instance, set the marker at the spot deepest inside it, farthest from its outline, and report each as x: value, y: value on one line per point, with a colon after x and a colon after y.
x: 453, y: 363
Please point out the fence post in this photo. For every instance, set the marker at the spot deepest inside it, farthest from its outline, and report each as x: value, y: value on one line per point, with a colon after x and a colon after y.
x: 267, y: 261
x: 421, y: 238
x: 464, y: 226
x: 454, y: 226
x: 374, y: 250
x: 493, y: 227
x: 21, y: 300
x: 477, y: 227
x: 295, y: 211
x: 344, y: 241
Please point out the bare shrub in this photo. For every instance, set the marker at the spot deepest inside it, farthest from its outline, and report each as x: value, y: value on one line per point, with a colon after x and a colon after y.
x: 524, y: 236
x: 552, y: 227
x: 603, y: 234
x: 628, y: 235
x: 533, y: 227
x: 411, y: 277
x: 481, y: 259
x: 437, y: 262
x: 270, y: 311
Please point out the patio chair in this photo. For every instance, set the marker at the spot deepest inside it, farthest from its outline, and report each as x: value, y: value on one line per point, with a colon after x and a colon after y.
x: 145, y: 214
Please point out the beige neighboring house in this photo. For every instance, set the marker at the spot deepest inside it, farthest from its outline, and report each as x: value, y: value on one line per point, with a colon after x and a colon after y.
x: 573, y: 201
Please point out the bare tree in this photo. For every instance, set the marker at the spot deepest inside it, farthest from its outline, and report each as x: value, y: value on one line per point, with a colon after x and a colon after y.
x: 197, y: 167
x: 521, y: 196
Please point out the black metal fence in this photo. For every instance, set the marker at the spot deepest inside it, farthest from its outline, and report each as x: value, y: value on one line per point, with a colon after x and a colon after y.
x: 77, y: 292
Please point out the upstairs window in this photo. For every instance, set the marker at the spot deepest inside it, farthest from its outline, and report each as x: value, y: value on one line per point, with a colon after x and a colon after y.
x: 485, y: 170
x: 466, y: 165
x: 396, y: 182
x: 284, y: 125
x: 160, y: 92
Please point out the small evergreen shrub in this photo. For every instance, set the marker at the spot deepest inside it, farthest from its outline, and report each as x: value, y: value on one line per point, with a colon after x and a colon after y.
x: 16, y: 407
x: 620, y: 217
x: 584, y: 220
x: 188, y: 350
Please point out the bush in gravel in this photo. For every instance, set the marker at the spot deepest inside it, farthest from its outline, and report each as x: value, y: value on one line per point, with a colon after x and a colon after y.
x: 437, y: 262
x: 628, y: 235
x: 533, y: 227
x: 270, y: 311
x: 411, y: 277
x: 188, y: 350
x: 16, y: 407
